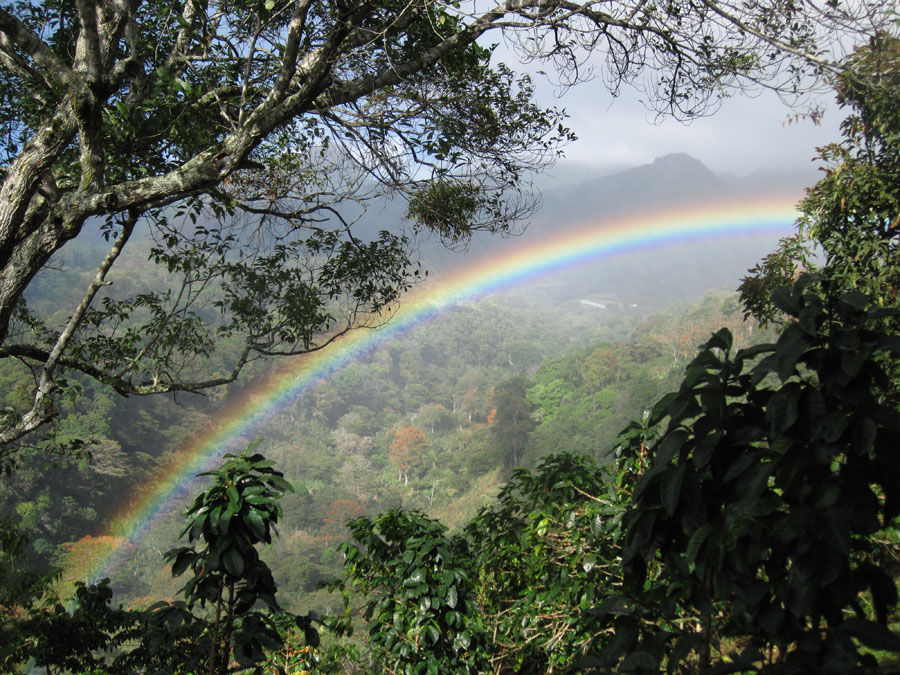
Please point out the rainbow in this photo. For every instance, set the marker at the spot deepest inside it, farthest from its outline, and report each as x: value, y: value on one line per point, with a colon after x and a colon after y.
x: 524, y: 261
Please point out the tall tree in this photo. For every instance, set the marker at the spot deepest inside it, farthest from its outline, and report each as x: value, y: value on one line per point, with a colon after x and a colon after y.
x: 256, y: 119
x: 766, y: 490
x: 407, y: 446
x: 512, y: 421
x: 773, y: 490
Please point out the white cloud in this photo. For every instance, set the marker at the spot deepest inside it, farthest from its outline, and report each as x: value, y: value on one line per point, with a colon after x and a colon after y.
x: 747, y: 134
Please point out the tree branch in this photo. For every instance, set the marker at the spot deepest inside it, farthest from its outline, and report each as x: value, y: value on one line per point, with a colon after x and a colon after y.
x: 14, y: 32
x: 40, y: 412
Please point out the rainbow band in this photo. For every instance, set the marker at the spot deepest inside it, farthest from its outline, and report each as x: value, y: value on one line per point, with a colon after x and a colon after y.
x: 239, y: 420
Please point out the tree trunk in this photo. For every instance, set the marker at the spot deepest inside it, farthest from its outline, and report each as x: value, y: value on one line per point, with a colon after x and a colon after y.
x: 30, y: 228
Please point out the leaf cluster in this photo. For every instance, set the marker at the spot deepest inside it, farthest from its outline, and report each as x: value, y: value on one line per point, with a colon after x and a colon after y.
x: 419, y: 602
x: 774, y: 468
x: 225, y: 524
x: 848, y: 229
x: 69, y: 639
x: 547, y: 557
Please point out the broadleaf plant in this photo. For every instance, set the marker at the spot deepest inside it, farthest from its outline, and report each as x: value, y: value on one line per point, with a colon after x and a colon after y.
x: 773, y: 471
x: 229, y: 614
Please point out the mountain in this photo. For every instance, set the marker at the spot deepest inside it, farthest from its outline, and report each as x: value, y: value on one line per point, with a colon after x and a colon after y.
x: 672, y: 180
x: 660, y: 275
x: 575, y: 200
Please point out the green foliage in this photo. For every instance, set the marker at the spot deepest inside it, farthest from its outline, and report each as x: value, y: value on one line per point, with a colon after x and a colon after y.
x: 752, y: 514
x: 547, y: 556
x: 446, y: 208
x: 418, y: 598
x: 512, y: 422
x: 224, y: 526
x: 582, y: 400
x: 852, y: 212
x: 851, y: 215
x: 76, y: 639
x: 252, y: 206
x: 780, y: 268
x: 773, y: 471
x: 20, y: 588
x: 35, y: 627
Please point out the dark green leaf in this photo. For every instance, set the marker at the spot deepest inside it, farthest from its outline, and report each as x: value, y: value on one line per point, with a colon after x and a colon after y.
x: 782, y: 408
x: 696, y: 541
x: 233, y: 496
x: 721, y: 340
x: 452, y: 597
x: 670, y: 488
x: 233, y: 562
x: 790, y: 347
x: 255, y: 522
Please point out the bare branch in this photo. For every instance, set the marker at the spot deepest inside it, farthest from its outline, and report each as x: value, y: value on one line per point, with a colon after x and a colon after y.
x: 40, y: 412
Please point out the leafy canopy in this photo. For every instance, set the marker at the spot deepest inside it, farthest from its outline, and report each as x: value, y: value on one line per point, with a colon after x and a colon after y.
x: 773, y: 470
x: 239, y: 136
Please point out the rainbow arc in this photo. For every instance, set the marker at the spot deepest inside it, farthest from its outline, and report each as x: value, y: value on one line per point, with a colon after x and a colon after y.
x: 524, y: 262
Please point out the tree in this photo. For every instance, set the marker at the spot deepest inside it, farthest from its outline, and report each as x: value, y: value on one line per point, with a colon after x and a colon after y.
x: 407, y: 446
x: 238, y: 512
x: 230, y: 614
x: 851, y: 216
x: 339, y: 512
x: 21, y: 588
x: 512, y: 422
x: 418, y: 598
x: 434, y: 416
x: 771, y: 496
x: 237, y: 133
x: 546, y: 558
x: 74, y: 639
x: 774, y: 469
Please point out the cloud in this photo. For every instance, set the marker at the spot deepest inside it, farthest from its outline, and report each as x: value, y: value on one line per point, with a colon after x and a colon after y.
x: 749, y: 133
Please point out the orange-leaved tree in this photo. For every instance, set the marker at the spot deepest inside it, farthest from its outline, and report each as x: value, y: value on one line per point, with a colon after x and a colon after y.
x: 406, y: 446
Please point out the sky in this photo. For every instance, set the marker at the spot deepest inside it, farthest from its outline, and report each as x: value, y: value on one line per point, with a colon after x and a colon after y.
x: 748, y: 134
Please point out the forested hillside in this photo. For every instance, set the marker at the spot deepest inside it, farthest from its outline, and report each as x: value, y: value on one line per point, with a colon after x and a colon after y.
x: 436, y: 421
x: 439, y: 419
x: 442, y: 420
x: 474, y: 383
x: 443, y: 379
